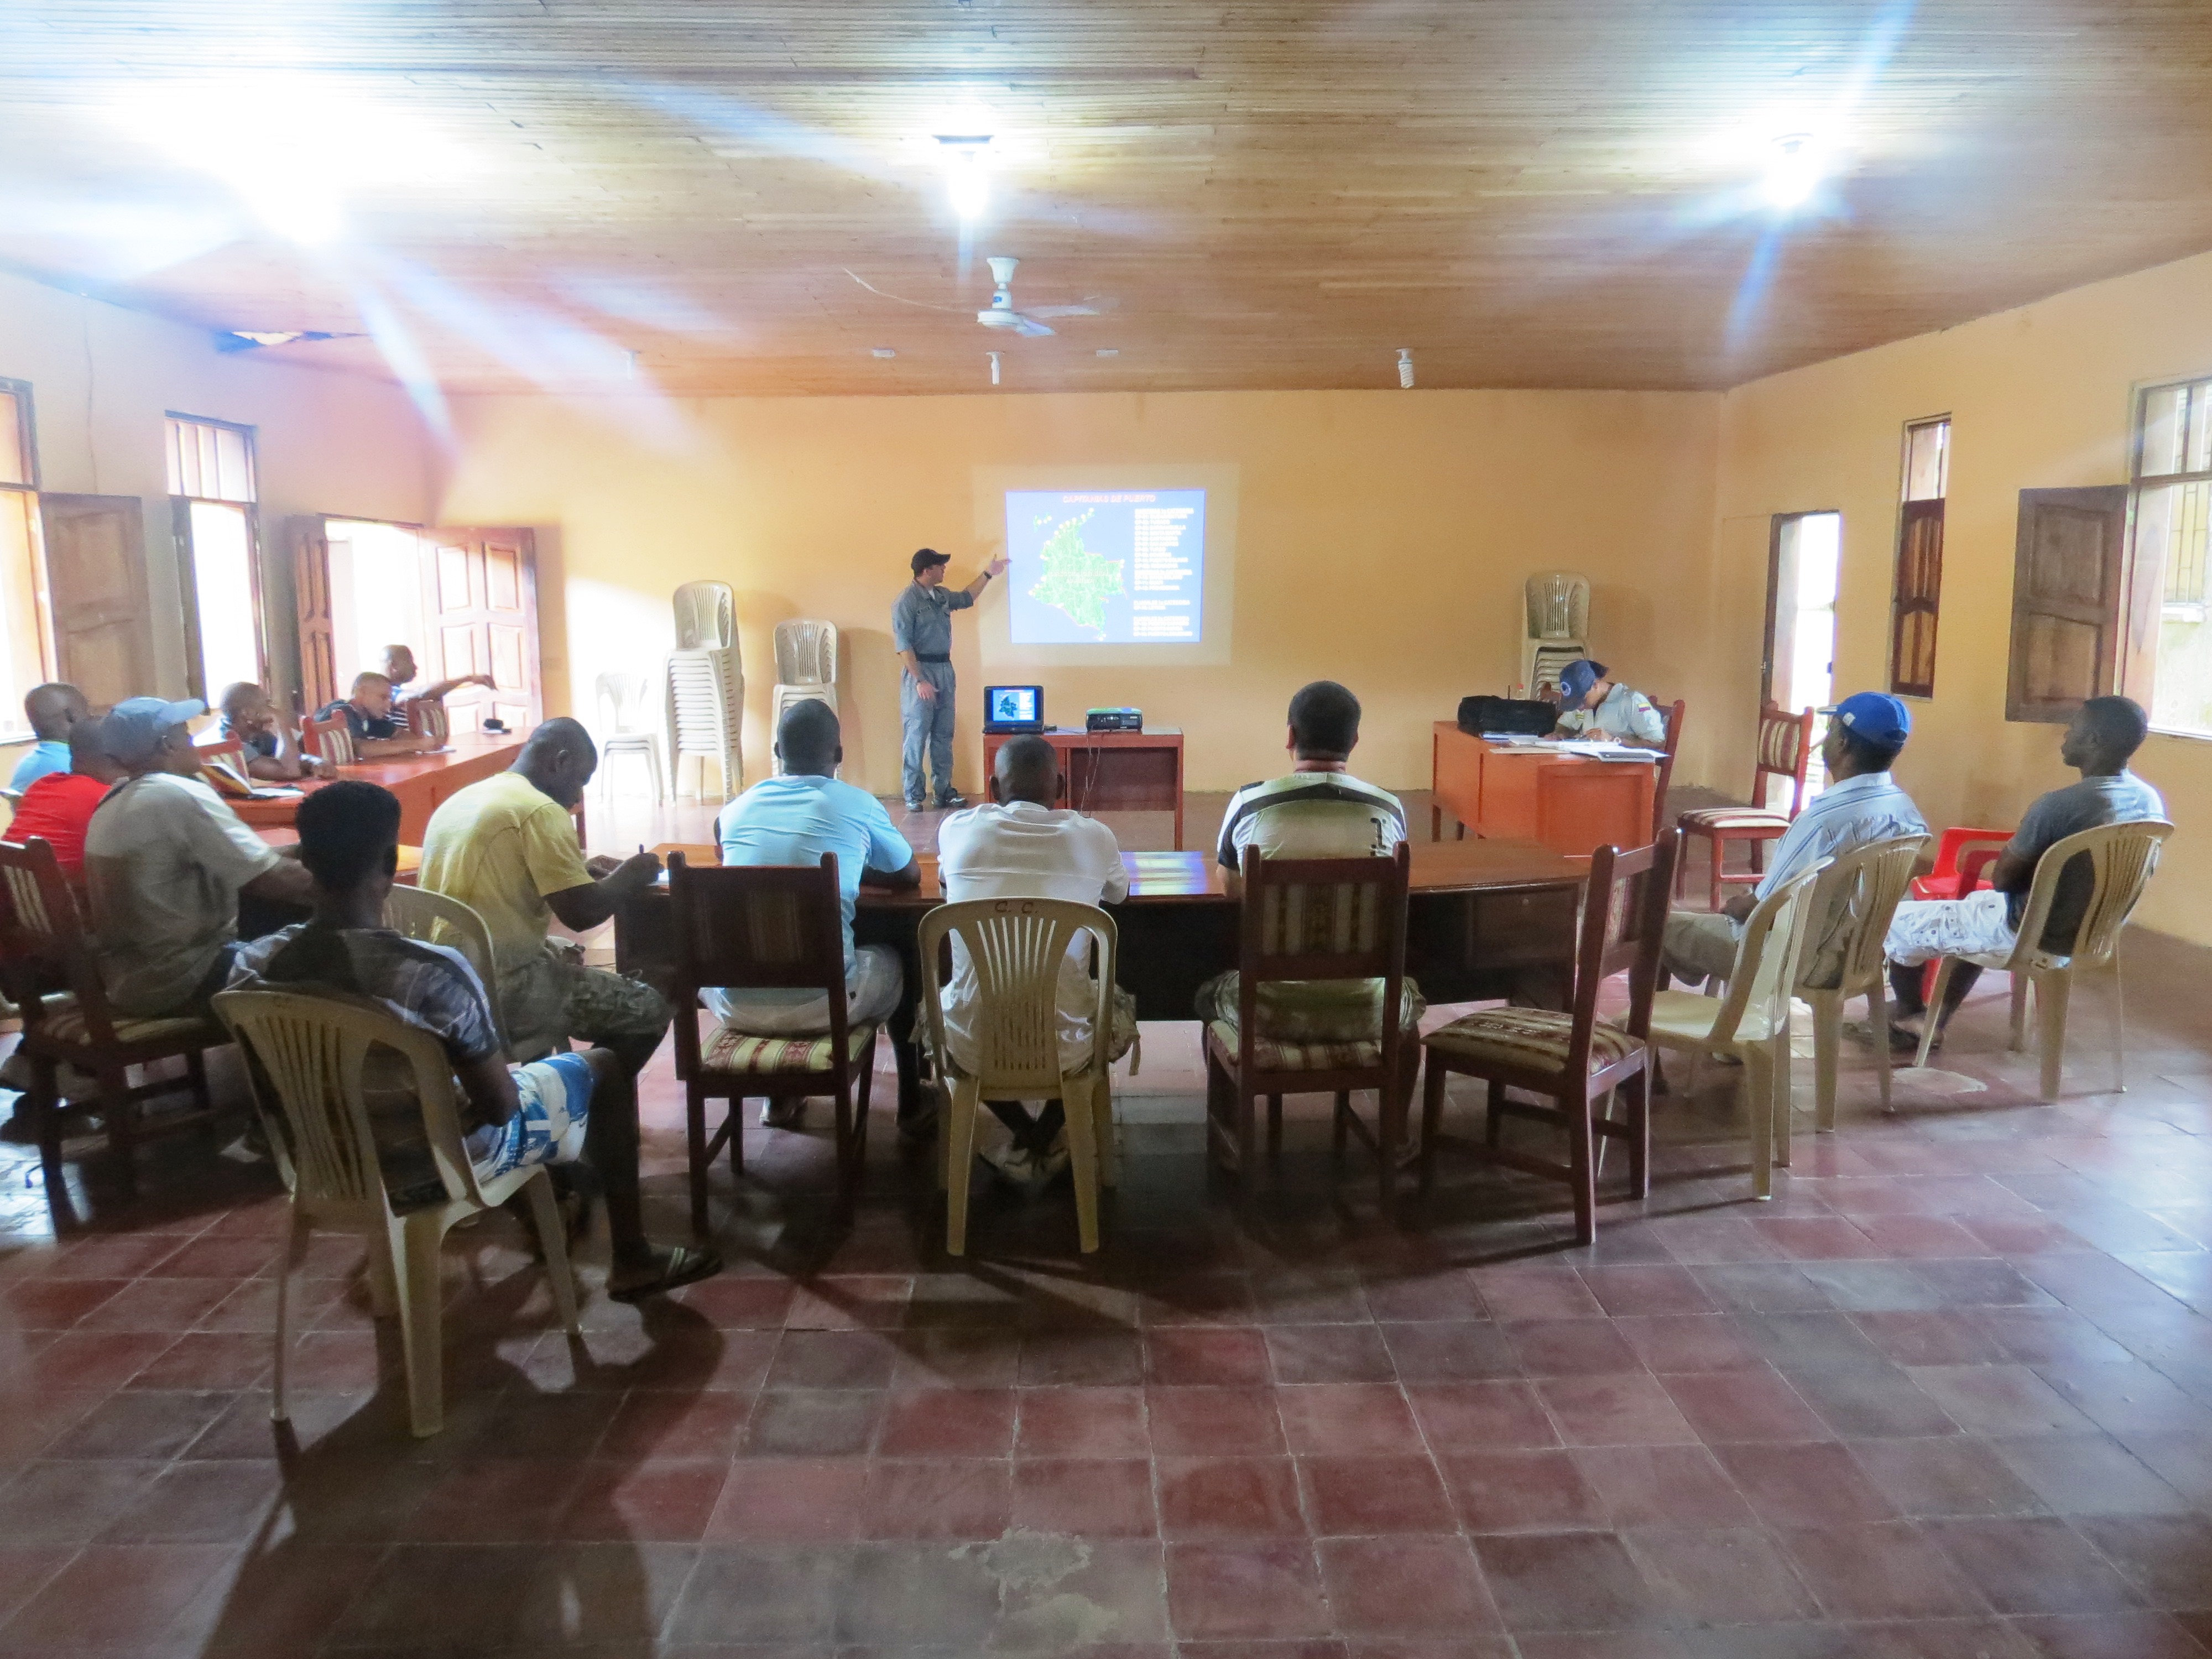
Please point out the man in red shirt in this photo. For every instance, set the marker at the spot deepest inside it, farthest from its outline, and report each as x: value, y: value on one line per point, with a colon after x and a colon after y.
x: 57, y: 806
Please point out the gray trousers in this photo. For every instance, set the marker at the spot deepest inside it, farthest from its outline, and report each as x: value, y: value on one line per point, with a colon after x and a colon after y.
x: 926, y: 726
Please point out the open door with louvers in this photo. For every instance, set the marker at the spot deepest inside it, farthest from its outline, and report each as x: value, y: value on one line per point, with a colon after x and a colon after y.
x: 2068, y: 596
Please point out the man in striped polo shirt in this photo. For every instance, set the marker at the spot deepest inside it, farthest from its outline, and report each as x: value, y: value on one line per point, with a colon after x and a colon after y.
x: 1862, y: 804
x: 1318, y: 811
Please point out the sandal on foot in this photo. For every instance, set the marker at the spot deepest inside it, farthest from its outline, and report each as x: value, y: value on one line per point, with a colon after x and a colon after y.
x: 683, y: 1265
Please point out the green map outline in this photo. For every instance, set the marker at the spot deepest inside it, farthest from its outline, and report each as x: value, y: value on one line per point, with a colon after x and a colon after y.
x: 1076, y: 582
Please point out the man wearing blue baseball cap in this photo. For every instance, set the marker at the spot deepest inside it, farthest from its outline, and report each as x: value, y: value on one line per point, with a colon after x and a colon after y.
x: 165, y: 861
x: 1593, y: 705
x: 1861, y: 805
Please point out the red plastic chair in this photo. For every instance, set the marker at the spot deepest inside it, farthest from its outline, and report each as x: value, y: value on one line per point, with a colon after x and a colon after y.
x: 1963, y: 859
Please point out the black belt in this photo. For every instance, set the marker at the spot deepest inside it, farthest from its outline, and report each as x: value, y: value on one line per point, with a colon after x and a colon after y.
x: 924, y: 656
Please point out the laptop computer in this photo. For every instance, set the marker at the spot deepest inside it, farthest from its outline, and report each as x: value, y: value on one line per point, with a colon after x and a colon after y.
x: 1011, y: 709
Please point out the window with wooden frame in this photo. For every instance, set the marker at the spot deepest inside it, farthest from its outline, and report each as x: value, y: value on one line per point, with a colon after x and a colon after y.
x: 27, y: 651
x: 212, y: 492
x: 1918, y: 589
x: 2166, y: 659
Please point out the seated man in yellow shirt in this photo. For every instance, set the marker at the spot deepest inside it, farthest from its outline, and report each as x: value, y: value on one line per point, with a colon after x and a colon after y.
x: 506, y: 848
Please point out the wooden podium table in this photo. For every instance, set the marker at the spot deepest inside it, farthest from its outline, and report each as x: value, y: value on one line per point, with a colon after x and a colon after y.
x: 1571, y: 804
x: 1114, y: 771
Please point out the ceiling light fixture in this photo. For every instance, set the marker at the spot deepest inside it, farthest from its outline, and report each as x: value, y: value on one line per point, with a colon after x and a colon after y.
x: 993, y: 356
x: 1406, y: 367
x: 885, y: 353
x: 1793, y: 169
x: 965, y: 158
x: 1109, y: 351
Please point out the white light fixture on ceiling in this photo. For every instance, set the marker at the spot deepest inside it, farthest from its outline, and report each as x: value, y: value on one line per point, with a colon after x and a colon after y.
x: 1793, y: 164
x: 1406, y: 367
x: 965, y: 158
x: 885, y: 353
x: 993, y: 356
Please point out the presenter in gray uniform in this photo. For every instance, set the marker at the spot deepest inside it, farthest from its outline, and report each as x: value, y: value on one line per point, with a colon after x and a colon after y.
x: 922, y: 634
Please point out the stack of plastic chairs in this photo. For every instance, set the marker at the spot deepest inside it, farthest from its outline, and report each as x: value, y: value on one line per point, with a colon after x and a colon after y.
x: 805, y: 666
x: 706, y: 687
x: 1558, y: 627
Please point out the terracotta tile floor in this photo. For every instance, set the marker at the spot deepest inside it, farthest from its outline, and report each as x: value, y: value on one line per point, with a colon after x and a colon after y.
x: 1949, y: 1394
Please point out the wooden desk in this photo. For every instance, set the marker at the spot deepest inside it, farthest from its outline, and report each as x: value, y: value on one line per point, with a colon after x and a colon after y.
x: 1571, y: 803
x: 422, y: 782
x: 1114, y: 771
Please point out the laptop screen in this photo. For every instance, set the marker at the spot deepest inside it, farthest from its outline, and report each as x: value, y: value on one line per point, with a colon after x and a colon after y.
x: 1013, y: 705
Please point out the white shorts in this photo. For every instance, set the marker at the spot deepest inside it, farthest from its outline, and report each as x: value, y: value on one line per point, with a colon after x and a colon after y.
x: 873, y: 985
x: 1978, y: 925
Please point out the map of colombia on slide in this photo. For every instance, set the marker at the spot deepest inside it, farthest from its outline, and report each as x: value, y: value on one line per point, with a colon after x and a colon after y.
x: 1106, y: 567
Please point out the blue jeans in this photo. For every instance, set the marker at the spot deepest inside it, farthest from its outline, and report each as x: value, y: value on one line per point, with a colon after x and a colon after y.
x: 927, y: 725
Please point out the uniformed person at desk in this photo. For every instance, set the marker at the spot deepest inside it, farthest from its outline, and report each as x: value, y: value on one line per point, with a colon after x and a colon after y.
x: 1593, y: 706
x: 922, y: 634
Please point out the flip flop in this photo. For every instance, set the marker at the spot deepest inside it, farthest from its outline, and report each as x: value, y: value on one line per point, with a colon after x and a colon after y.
x: 684, y: 1265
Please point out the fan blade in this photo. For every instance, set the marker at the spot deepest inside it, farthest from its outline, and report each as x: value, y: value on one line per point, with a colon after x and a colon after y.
x: 1063, y: 311
x: 1028, y: 326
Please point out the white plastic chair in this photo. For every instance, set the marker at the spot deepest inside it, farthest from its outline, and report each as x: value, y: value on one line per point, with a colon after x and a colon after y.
x: 622, y: 701
x: 1017, y: 946
x: 706, y: 617
x: 1752, y: 1021
x: 2123, y: 857
x: 706, y: 716
x: 309, y: 1054
x: 1852, y: 905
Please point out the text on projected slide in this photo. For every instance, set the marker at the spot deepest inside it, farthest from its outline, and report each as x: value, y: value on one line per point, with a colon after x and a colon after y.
x: 1106, y: 567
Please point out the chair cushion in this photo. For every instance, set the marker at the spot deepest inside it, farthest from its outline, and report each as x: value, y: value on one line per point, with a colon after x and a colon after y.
x: 725, y: 1050
x: 65, y: 1026
x: 1531, y: 1039
x: 1269, y: 1055
x: 1739, y: 820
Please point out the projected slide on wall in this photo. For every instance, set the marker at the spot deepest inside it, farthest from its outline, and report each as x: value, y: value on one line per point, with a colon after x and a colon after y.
x: 1106, y: 567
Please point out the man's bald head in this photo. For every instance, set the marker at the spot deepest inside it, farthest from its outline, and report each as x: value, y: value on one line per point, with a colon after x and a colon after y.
x: 1028, y: 768
x: 808, y: 739
x: 240, y: 697
x: 559, y: 758
x: 53, y: 708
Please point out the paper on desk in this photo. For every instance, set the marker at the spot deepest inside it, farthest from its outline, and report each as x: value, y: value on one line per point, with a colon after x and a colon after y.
x: 1590, y: 748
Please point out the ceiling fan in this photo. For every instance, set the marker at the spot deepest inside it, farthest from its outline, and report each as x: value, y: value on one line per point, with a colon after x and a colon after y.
x: 1001, y: 314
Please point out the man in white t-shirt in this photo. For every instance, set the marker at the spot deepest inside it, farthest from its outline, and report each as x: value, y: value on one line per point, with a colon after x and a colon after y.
x: 165, y: 861
x: 1022, y: 846
x: 1319, y: 810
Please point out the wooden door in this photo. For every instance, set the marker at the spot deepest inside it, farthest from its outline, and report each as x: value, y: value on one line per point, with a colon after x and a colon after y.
x: 311, y: 597
x: 480, y: 613
x: 2068, y: 568
x: 96, y: 584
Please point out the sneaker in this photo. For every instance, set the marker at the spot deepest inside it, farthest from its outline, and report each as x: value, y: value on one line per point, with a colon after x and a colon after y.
x: 787, y: 1114
x: 1012, y: 1162
x: 914, y: 807
x: 951, y: 801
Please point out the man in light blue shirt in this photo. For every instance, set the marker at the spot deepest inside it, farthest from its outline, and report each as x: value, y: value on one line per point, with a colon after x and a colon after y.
x: 52, y: 710
x: 1861, y: 806
x: 795, y: 819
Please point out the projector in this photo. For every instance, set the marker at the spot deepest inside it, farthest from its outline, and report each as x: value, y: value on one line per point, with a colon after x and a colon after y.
x: 1113, y: 719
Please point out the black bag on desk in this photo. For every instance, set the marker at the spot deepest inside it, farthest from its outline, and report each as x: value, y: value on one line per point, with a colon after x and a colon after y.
x: 1518, y: 717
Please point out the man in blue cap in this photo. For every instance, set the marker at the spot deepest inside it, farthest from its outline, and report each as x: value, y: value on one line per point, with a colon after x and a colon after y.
x: 1593, y: 705
x: 921, y: 635
x: 165, y: 861
x: 1861, y: 806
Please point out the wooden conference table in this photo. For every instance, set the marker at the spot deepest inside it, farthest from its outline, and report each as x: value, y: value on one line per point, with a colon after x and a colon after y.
x: 1484, y: 919
x: 422, y: 782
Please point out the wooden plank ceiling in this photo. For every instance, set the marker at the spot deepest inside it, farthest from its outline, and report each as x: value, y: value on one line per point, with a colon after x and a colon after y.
x: 1527, y: 193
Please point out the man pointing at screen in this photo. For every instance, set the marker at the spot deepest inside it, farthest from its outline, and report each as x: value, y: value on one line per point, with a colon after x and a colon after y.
x: 922, y: 634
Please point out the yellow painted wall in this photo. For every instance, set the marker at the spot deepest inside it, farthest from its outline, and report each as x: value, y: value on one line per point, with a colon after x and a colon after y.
x: 1384, y: 539
x: 2040, y: 398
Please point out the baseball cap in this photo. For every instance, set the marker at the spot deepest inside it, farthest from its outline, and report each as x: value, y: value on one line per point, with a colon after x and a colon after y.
x: 1881, y: 719
x: 1577, y: 678
x: 133, y: 728
x: 928, y: 556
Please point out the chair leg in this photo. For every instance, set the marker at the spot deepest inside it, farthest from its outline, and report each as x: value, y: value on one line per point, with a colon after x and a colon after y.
x: 1759, y: 1102
x: 2023, y: 988
x: 1339, y: 1126
x: 1493, y: 1120
x: 1432, y: 1118
x: 1785, y: 1094
x: 960, y: 1159
x: 1827, y: 1047
x: 1639, y: 1092
x: 1275, y: 1127
x: 2119, y: 1029
x: 2051, y: 991
x: 287, y: 1258
x: 848, y: 1150
x: 383, y: 1286
x: 1934, y: 1016
x: 695, y: 1127
x: 1108, y: 1143
x: 553, y: 1241
x: 423, y: 1235
x: 1582, y: 1164
x: 1082, y: 1160
x: 44, y: 1103
x: 1247, y: 1148
x: 1720, y: 852
x: 1878, y: 1013
x: 1388, y: 1116
x: 121, y: 1114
